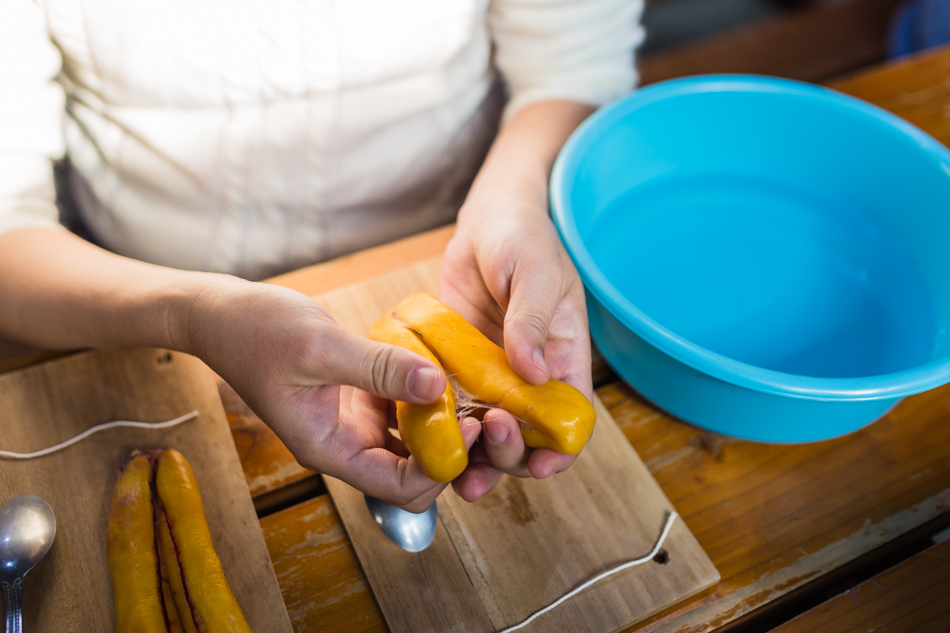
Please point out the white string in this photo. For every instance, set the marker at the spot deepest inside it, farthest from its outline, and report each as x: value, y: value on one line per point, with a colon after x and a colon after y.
x: 610, y: 572
x: 96, y: 429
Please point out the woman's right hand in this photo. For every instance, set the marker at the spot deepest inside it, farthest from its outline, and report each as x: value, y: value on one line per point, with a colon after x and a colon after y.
x: 325, y: 392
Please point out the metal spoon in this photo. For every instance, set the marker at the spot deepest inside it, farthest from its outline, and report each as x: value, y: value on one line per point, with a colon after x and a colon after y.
x: 27, y: 528
x: 410, y: 531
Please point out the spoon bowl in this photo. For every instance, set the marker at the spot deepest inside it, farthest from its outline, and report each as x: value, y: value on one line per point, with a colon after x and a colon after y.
x: 410, y: 531
x: 27, y: 529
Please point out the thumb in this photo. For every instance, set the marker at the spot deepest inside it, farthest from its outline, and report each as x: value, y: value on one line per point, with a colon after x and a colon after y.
x: 385, y: 370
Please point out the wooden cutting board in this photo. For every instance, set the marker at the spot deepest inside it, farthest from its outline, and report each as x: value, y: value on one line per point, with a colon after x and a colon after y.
x: 495, y: 562
x: 70, y: 590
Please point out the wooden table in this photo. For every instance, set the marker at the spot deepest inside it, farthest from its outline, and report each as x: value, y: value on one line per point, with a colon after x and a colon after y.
x: 788, y: 527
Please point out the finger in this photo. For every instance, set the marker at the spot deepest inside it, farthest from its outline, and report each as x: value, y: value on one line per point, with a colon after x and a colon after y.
x: 384, y: 370
x: 478, y: 480
x: 400, y: 481
x: 470, y: 428
x: 462, y: 288
x: 568, y: 351
x: 504, y: 446
x: 544, y: 463
x: 535, y: 294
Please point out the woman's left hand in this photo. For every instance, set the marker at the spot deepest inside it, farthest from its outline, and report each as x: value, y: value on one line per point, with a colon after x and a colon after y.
x: 506, y: 271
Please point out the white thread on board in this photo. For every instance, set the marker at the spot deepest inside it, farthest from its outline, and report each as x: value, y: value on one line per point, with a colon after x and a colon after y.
x: 100, y: 427
x: 610, y: 572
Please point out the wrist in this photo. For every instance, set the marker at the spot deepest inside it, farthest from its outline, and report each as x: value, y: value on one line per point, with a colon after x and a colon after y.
x: 191, y: 307
x: 514, y: 177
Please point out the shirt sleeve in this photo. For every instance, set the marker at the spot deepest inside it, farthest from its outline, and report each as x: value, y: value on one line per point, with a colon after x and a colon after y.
x: 31, y: 118
x: 578, y: 50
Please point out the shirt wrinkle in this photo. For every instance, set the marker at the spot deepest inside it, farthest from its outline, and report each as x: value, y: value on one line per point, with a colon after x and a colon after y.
x: 280, y: 134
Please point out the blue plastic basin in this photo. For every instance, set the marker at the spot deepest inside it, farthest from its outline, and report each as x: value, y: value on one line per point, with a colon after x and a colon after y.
x: 764, y: 258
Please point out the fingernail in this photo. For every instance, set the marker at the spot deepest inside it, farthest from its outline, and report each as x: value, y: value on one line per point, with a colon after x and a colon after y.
x: 423, y: 382
x: 497, y: 432
x: 538, y: 358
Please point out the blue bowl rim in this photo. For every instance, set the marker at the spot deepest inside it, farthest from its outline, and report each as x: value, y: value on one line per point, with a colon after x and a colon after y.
x: 891, y: 385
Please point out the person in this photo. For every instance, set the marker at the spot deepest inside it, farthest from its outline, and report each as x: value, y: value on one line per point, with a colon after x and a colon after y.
x: 214, y: 144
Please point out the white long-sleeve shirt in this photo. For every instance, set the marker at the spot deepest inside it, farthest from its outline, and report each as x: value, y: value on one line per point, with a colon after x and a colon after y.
x: 255, y: 136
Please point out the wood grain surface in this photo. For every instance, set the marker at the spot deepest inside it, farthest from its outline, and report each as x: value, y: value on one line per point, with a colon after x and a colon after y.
x: 914, y: 87
x: 520, y: 548
x: 48, y: 403
x: 774, y: 518
x: 913, y: 596
x: 324, y: 587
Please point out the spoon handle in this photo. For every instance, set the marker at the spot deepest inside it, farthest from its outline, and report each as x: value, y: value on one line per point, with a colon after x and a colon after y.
x: 13, y: 595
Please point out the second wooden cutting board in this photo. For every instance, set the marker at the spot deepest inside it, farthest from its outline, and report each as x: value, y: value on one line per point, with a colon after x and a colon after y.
x: 496, y: 562
x: 70, y: 589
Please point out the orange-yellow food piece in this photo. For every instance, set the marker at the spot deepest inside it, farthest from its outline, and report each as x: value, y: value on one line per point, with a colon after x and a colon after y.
x: 166, y: 575
x: 430, y: 431
x: 171, y: 611
x: 133, y: 559
x: 554, y: 415
x: 176, y: 598
x: 213, y: 605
